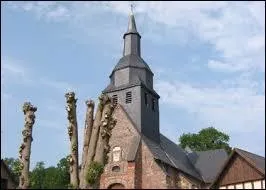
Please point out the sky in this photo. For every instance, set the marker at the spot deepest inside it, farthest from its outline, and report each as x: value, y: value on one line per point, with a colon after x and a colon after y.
x: 208, y: 60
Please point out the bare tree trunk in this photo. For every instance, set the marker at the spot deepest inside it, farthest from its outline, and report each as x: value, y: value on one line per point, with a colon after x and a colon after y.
x: 102, y: 147
x: 73, y: 135
x: 25, y: 148
x: 87, y: 135
x: 103, y: 99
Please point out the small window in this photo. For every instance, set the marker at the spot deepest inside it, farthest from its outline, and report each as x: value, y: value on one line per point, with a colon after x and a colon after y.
x: 146, y: 98
x: 153, y: 104
x: 115, y: 99
x: 128, y: 97
x: 115, y: 169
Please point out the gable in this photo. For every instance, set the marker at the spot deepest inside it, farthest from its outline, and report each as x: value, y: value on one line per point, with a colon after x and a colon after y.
x: 124, y: 135
x: 238, y: 170
x: 257, y: 161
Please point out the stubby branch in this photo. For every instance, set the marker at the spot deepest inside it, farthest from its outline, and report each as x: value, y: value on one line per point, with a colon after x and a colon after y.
x: 87, y: 135
x: 25, y: 148
x: 73, y: 135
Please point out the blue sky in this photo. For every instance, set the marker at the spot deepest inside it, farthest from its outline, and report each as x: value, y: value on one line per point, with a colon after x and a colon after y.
x: 208, y: 59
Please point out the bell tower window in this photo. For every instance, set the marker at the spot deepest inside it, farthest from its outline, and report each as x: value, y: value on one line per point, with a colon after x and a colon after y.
x: 128, y: 97
x: 146, y: 98
x: 153, y: 104
x: 115, y: 99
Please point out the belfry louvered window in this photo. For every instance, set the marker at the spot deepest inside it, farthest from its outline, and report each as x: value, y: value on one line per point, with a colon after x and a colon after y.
x: 128, y: 97
x: 153, y: 104
x: 115, y: 99
x: 146, y: 98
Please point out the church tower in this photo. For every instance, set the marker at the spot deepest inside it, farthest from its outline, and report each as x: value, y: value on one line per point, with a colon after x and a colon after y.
x: 131, y: 85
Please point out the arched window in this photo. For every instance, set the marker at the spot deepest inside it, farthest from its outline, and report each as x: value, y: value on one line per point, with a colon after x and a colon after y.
x: 116, y: 154
x: 115, y: 169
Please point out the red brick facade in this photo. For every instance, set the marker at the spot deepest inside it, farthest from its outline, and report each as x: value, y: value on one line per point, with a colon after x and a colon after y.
x: 144, y: 171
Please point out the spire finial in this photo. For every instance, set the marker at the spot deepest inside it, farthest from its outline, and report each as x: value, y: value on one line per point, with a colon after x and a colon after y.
x: 132, y: 6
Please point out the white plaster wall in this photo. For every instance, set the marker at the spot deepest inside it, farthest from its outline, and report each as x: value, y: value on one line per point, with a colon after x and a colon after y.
x: 248, y: 185
x: 257, y: 184
x: 239, y: 186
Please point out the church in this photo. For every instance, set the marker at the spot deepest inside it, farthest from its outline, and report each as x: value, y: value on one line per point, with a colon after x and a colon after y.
x: 140, y: 156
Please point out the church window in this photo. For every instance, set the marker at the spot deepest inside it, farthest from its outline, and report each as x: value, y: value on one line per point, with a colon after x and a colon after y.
x: 116, y: 154
x: 128, y: 97
x: 115, y: 99
x: 153, y: 104
x: 146, y: 98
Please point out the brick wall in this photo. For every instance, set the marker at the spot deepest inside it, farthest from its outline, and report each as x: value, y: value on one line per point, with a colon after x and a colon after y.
x: 153, y: 175
x: 122, y: 136
x: 144, y: 172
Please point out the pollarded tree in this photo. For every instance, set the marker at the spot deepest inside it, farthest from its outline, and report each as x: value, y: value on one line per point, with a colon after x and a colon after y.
x: 25, y: 148
x: 97, y: 132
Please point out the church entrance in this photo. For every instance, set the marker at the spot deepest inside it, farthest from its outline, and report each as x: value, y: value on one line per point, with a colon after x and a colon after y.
x: 116, y: 186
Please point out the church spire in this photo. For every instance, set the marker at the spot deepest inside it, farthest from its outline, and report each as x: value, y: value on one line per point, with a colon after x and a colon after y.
x: 131, y: 37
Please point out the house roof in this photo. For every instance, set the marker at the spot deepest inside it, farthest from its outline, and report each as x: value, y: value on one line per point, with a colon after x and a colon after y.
x: 208, y: 163
x: 9, y: 172
x: 258, y: 162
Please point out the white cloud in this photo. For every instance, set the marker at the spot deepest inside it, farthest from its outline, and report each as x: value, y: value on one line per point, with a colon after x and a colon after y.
x: 237, y: 108
x: 236, y: 30
x: 225, y: 66
x: 10, y: 67
x: 59, y: 12
x: 16, y: 71
x: 49, y: 10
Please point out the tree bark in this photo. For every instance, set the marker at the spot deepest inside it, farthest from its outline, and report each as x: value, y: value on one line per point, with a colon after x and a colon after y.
x: 102, y: 147
x: 73, y: 135
x: 25, y: 148
x: 87, y: 135
x: 103, y: 99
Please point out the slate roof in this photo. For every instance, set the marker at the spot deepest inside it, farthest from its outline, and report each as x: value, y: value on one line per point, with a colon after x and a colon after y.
x: 203, y: 165
x: 179, y: 157
x: 132, y: 28
x: 208, y: 163
x: 131, y: 60
x: 135, y: 82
